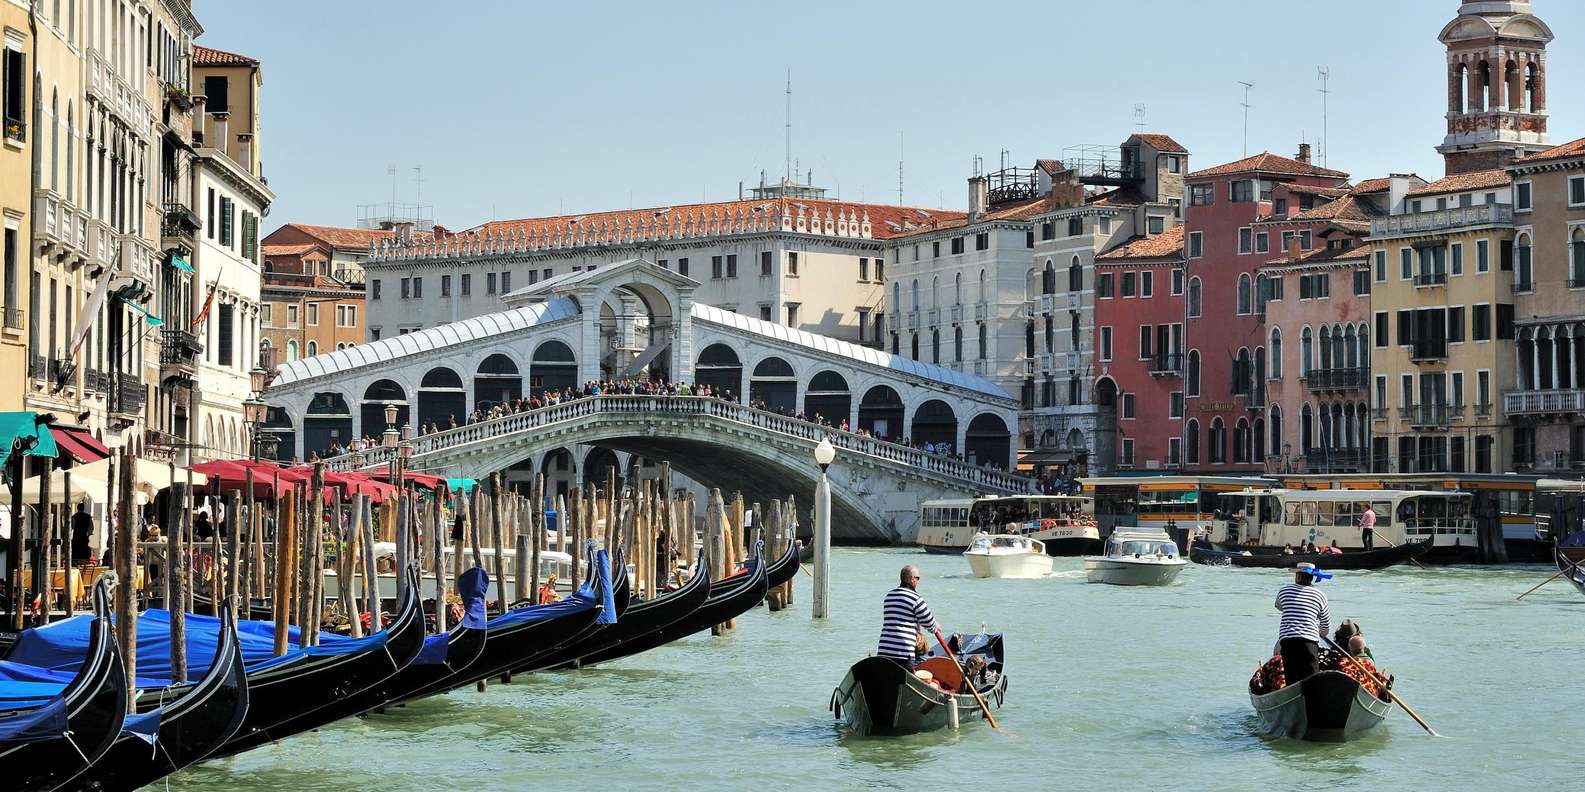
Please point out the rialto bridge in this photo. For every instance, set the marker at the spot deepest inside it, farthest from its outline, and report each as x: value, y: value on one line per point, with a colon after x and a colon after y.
x: 636, y: 320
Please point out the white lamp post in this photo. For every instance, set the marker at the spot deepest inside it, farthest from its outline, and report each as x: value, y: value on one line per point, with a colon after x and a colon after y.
x: 824, y: 455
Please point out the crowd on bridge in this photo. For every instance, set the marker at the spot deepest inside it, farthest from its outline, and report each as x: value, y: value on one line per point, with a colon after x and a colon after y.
x: 488, y: 411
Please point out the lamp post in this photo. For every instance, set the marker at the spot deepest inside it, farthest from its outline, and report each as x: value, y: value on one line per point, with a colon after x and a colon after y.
x: 254, y: 409
x: 825, y: 453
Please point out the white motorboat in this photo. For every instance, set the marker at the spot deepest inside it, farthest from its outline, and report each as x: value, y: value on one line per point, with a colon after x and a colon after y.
x: 1007, y: 556
x: 1136, y: 557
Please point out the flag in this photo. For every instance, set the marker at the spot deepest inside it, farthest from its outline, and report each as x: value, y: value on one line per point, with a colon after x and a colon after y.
x: 209, y: 302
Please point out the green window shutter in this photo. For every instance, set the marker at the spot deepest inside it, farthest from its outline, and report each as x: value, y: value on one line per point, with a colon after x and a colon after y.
x: 225, y: 221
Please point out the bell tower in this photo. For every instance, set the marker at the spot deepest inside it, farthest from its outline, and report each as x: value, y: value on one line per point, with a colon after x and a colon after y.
x: 1496, y: 85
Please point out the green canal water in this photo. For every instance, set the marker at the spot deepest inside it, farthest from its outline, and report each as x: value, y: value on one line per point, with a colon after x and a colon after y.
x: 1109, y: 688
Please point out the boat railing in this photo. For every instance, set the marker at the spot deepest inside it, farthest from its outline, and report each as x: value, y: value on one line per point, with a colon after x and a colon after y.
x: 581, y: 408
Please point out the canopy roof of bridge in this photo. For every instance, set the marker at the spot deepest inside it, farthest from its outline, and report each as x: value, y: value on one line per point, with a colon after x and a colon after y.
x: 385, y: 350
x: 838, y: 348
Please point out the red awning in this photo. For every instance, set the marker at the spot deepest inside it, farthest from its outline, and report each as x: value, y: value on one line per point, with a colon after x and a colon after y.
x: 425, y: 480
x: 79, y: 444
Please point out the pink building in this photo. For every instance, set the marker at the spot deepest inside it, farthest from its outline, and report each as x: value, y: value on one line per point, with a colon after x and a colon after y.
x: 1139, y: 350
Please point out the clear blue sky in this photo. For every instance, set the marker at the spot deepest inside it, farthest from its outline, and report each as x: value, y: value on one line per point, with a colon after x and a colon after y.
x: 517, y: 109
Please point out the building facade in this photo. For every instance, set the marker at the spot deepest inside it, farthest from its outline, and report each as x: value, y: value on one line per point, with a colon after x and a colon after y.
x: 348, y: 248
x: 17, y: 190
x: 304, y: 310
x: 1546, y: 403
x: 1140, y: 360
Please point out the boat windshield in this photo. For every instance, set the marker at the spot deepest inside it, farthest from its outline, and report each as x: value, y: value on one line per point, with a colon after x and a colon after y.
x: 1145, y: 547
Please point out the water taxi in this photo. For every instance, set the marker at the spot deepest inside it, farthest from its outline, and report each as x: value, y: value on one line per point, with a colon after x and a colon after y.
x: 1007, y: 556
x: 1136, y: 557
x: 1064, y: 524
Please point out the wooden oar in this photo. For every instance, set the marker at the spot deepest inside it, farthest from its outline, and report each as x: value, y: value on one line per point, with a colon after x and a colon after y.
x: 978, y: 699
x: 1390, y: 544
x: 1561, y: 573
x: 1383, y: 685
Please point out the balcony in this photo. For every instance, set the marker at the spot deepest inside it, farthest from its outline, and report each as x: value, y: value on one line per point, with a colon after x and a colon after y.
x: 956, y: 313
x: 1335, y: 379
x: 934, y: 316
x: 1544, y: 402
x: 1431, y: 416
x: 179, y: 351
x: 180, y: 223
x: 1337, y: 460
x: 982, y: 310
x: 913, y: 319
x: 1576, y: 283
x: 127, y: 397
x: 1048, y: 302
x: 16, y: 129
x: 1168, y: 365
x: 1430, y: 279
x: 1428, y: 351
x: 1412, y: 223
x: 1522, y: 287
x: 95, y: 381
x: 61, y: 229
x: 1378, y: 413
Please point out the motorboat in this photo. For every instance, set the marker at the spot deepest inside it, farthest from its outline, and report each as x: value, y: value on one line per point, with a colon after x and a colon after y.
x: 1007, y: 556
x: 1136, y: 557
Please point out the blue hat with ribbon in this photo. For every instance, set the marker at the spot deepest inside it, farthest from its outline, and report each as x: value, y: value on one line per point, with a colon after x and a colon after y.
x: 1313, y: 571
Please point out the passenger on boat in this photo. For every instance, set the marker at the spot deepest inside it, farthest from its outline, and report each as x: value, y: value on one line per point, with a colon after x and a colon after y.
x: 547, y: 590
x: 1287, y: 549
x: 1367, y: 527
x: 904, y: 615
x: 1306, y: 617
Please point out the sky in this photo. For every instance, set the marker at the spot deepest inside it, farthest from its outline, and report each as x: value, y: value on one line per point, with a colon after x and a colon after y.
x: 522, y: 109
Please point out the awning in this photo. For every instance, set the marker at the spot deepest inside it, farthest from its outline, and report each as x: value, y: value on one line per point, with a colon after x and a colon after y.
x: 148, y: 318
x: 1050, y: 456
x: 181, y: 264
x: 15, y: 425
x: 78, y: 443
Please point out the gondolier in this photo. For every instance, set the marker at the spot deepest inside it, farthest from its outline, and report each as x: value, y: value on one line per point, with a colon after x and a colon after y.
x: 1367, y: 527
x: 903, y: 615
x: 1306, y: 618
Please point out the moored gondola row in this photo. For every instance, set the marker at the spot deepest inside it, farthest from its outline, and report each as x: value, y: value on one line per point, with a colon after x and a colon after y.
x: 203, y: 687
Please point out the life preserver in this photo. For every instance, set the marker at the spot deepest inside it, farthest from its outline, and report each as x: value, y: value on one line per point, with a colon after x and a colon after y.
x: 1047, y: 524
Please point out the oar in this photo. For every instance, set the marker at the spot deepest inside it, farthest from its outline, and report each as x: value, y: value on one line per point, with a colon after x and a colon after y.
x: 1390, y: 544
x: 1561, y: 573
x: 978, y: 699
x: 1383, y: 685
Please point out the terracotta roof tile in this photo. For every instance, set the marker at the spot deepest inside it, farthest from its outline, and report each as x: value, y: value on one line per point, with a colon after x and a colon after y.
x: 1573, y: 148
x: 1474, y: 180
x: 1267, y: 162
x: 1122, y: 196
x: 1050, y: 166
x: 1375, y: 185
x: 1162, y: 143
x: 1345, y: 209
x: 208, y: 56
x: 1163, y: 245
x: 1358, y: 250
x: 885, y: 221
x: 338, y: 236
x: 289, y: 250
x: 1313, y: 189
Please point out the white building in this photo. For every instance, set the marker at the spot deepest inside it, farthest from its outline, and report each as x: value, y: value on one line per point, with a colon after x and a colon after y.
x: 980, y: 293
x: 788, y: 256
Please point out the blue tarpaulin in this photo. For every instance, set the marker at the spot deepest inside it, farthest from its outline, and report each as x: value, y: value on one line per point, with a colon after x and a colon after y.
x: 45, y: 723
x: 25, y: 424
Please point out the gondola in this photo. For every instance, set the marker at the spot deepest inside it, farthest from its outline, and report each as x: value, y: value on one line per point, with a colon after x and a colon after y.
x: 639, y: 620
x: 1566, y: 554
x: 294, y: 702
x: 881, y: 696
x: 1264, y: 558
x: 194, y: 720
x: 49, y: 732
x: 518, y: 636
x: 729, y: 598
x: 783, y: 569
x: 1328, y: 706
x: 443, y: 654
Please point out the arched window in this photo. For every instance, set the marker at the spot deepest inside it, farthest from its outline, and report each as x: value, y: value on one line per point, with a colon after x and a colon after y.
x: 1460, y: 105
x: 1362, y: 426
x: 1304, y: 352
x: 1364, y: 345
x: 1075, y: 276
x: 71, y: 154
x: 1241, y: 441
x: 985, y: 296
x: 1339, y: 348
x: 1576, y: 246
x: 897, y: 296
x: 913, y: 347
x: 935, y: 345
x: 1048, y: 279
x: 1217, y: 440
x: 935, y: 292
x: 1191, y: 439
x: 984, y: 342
x: 1243, y: 293
x: 55, y: 140
x: 916, y: 294
x: 1275, y: 366
x: 1194, y: 297
x: 1194, y: 372
x: 957, y: 343
x: 1532, y: 85
x: 1523, y: 275
x: 291, y: 349
x: 958, y: 289
x: 1242, y: 371
x: 1481, y: 95
x: 1306, y: 428
x: 1276, y: 430
x: 1260, y: 294
x: 313, y: 348
x: 1351, y: 347
x: 1326, y: 348
x: 1257, y: 444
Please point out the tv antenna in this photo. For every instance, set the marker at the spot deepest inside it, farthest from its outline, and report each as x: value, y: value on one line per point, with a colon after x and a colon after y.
x: 1246, y: 105
x: 418, y: 184
x: 899, y: 168
x: 1324, y: 74
x: 1139, y: 117
x: 787, y: 172
x: 390, y: 170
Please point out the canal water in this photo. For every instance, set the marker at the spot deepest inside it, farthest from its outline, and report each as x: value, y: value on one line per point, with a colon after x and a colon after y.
x: 1109, y: 687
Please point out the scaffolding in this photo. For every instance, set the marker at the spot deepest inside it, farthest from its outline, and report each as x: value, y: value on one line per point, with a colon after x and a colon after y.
x: 378, y: 216
x: 1101, y: 164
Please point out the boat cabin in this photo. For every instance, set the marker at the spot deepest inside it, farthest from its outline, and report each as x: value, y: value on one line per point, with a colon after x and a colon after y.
x: 1291, y: 517
x: 1136, y: 543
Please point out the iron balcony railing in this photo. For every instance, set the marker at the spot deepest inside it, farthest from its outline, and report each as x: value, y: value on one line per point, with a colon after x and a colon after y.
x: 128, y: 396
x: 1337, y: 460
x: 1167, y: 365
x: 1336, y: 379
x: 1431, y: 415
x: 179, y: 221
x: 544, y: 418
x: 1430, y: 279
x: 179, y: 348
x: 1411, y: 223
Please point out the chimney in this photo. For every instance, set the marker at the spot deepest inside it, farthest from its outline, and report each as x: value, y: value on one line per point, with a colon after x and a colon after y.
x: 1397, y: 191
x: 1304, y: 153
x: 221, y: 130
x: 978, y: 199
x: 199, y: 116
x: 1293, y: 247
x: 245, y: 151
x: 404, y: 231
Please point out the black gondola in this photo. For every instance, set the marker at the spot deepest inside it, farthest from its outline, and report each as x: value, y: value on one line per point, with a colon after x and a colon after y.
x: 1265, y: 558
x: 521, y: 635
x: 729, y: 598
x: 1565, y: 555
x: 783, y: 569
x: 197, y: 719
x: 300, y: 699
x: 43, y: 746
x: 640, y: 619
x: 1328, y: 706
x: 881, y: 696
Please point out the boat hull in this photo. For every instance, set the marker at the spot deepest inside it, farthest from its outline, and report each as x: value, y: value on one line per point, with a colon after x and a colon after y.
x: 1132, y: 571
x: 880, y: 696
x: 1009, y: 565
x: 1329, y: 706
x: 1068, y: 546
x: 1265, y: 558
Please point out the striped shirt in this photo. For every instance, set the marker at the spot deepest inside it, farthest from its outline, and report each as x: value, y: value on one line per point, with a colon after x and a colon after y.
x: 1305, y: 613
x: 903, y: 614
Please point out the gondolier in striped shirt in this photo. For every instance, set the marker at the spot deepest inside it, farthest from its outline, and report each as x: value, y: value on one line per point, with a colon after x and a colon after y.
x: 903, y: 615
x: 1305, y: 619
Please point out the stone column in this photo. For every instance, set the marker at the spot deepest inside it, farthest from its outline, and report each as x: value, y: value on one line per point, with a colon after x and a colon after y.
x: 1497, y: 69
x: 1551, y: 354
x: 1535, y: 359
x: 682, y: 345
x: 589, y: 343
x: 1573, y: 376
x: 1454, y: 89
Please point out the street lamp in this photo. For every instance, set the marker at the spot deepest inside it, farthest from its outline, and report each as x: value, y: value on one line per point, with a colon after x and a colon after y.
x: 825, y: 453
x: 254, y: 413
